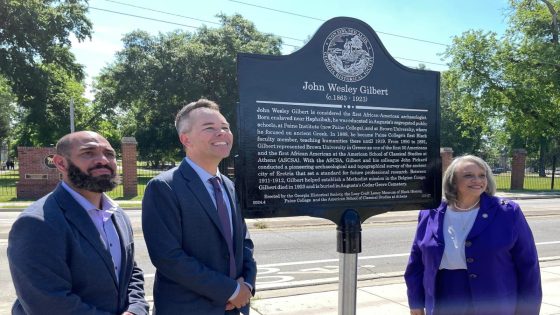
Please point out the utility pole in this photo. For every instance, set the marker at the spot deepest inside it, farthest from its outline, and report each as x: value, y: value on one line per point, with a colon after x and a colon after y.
x: 72, y: 114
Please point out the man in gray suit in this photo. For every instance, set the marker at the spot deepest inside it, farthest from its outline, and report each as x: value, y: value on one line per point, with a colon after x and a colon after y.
x: 196, y: 236
x: 72, y: 251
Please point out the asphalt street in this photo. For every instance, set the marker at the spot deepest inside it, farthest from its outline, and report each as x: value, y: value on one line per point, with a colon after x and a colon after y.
x: 301, y: 251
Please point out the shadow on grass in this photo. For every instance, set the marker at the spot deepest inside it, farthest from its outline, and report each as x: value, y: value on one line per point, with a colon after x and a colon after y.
x: 14, y: 199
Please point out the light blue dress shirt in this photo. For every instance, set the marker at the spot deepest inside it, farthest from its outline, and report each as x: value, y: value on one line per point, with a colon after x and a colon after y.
x: 101, y: 218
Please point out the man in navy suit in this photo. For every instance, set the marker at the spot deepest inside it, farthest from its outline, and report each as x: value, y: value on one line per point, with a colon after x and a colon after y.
x: 194, y: 230
x: 72, y: 251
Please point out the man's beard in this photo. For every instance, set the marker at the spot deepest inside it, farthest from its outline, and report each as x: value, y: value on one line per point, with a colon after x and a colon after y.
x: 98, y: 184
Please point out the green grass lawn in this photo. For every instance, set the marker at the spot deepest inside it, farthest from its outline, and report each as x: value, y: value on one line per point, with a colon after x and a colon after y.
x: 532, y: 182
x: 8, y: 180
x: 144, y: 175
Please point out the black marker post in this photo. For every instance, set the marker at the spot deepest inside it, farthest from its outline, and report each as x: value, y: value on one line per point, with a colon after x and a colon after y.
x: 337, y: 130
x: 349, y: 245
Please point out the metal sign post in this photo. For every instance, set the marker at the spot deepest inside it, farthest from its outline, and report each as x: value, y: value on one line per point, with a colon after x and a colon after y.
x: 337, y: 130
x: 349, y: 244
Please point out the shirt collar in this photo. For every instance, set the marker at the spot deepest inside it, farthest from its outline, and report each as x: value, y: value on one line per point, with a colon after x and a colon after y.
x: 202, y: 173
x: 107, y: 204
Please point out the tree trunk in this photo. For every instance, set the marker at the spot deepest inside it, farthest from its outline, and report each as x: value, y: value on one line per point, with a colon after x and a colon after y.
x: 555, y: 26
x: 542, y: 159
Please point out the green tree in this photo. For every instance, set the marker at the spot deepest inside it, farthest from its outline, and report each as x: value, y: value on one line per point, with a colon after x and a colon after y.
x: 37, y: 31
x: 511, y: 83
x: 154, y: 75
x: 457, y: 130
x: 6, y: 109
x: 533, y: 32
x: 34, y: 53
x: 48, y: 118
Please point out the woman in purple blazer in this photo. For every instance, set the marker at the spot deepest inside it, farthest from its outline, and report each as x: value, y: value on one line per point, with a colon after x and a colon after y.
x: 475, y: 254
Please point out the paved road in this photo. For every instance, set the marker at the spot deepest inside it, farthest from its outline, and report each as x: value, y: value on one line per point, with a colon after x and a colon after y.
x: 300, y: 256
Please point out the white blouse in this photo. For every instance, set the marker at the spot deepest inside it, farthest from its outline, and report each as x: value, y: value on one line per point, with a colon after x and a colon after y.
x: 456, y: 226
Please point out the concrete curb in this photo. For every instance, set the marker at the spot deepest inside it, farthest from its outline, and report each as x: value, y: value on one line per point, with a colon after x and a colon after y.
x: 385, y: 218
x: 311, y: 222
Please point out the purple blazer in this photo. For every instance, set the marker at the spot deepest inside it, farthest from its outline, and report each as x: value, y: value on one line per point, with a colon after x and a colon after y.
x: 502, y: 261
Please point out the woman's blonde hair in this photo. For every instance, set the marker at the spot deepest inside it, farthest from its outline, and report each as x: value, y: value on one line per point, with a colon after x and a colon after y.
x: 450, y: 183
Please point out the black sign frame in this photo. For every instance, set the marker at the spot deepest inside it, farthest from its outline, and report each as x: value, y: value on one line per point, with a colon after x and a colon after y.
x: 313, y: 80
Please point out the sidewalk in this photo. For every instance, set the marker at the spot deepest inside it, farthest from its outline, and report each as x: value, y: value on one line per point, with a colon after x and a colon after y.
x: 400, y: 216
x: 136, y: 204
x: 374, y: 297
x: 377, y: 299
x: 380, y: 296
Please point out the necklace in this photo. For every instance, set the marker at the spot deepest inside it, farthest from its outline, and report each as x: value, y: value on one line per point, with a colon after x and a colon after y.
x: 468, y: 208
x: 459, y: 225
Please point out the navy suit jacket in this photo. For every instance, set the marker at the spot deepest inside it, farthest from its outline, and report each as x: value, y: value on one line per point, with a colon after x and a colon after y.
x: 59, y: 264
x: 502, y: 261
x: 186, y: 245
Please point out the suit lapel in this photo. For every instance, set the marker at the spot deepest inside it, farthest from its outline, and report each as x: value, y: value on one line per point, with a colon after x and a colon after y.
x: 122, y: 230
x: 195, y: 184
x: 488, y: 208
x: 83, y: 224
x: 436, y: 225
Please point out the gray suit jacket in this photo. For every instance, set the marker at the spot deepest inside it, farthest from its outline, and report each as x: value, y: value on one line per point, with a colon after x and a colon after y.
x: 60, y: 266
x: 187, y: 247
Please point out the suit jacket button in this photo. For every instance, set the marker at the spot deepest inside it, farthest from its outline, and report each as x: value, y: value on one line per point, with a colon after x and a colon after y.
x: 468, y: 244
x: 473, y: 276
x: 470, y: 260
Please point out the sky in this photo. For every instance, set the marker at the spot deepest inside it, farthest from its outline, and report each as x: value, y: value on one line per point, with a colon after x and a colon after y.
x: 413, y: 31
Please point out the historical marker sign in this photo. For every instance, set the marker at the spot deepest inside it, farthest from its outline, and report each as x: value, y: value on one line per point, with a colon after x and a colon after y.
x: 338, y: 124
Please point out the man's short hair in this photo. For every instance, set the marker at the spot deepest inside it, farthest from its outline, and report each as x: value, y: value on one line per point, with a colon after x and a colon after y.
x: 64, y: 145
x: 181, y: 120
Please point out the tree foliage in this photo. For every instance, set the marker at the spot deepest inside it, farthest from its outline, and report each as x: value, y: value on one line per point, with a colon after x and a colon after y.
x: 6, y: 108
x: 44, y: 120
x: 153, y: 76
x: 37, y: 31
x: 35, y: 57
x: 511, y: 83
x: 458, y: 131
